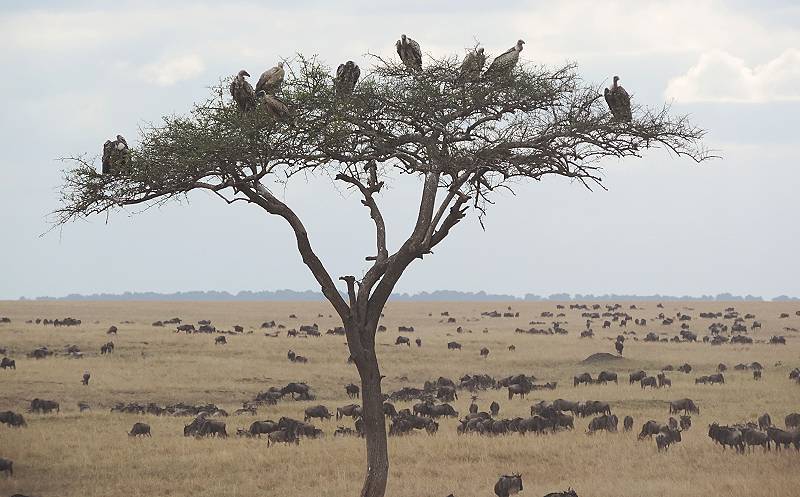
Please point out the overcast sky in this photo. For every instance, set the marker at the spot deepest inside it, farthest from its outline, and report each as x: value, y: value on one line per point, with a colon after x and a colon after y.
x: 77, y: 73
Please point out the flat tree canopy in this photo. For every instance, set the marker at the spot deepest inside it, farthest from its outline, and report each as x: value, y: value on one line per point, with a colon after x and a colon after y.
x: 465, y: 138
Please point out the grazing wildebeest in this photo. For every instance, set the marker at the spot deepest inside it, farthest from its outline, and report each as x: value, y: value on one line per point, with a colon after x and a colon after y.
x: 667, y: 438
x: 300, y: 389
x: 319, y: 411
x: 12, y: 419
x: 140, y: 430
x: 757, y: 374
x: 8, y: 363
x: 508, y: 485
x: 716, y: 378
x: 494, y: 408
x: 753, y: 438
x: 606, y: 376
x: 352, y: 390
x: 453, y: 346
x: 220, y: 340
x: 627, y: 423
x: 44, y: 406
x: 672, y: 423
x: 604, y: 422
x: 258, y: 428
x: 286, y: 436
x: 685, y: 405
x: 7, y: 467
x: 686, y: 422
x: 484, y: 352
x: 566, y: 493
x: 764, y: 421
x: 651, y: 428
x: 648, y: 381
x: 447, y: 393
x: 86, y: 377
x: 211, y: 428
x: 582, y: 378
x: 389, y: 409
x: 726, y: 436
x: 637, y: 376
x: 512, y: 348
x: 792, y: 420
x: 685, y: 368
x: 401, y: 340
x: 350, y: 410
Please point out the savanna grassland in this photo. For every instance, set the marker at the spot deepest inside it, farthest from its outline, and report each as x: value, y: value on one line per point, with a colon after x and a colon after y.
x: 73, y: 454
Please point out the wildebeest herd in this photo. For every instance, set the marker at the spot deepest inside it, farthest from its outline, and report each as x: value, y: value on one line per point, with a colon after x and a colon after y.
x: 491, y: 405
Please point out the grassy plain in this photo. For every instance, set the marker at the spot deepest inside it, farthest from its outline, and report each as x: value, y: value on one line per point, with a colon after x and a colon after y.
x: 75, y: 454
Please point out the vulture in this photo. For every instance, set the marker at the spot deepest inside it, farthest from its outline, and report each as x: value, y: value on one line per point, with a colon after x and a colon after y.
x: 619, y: 102
x: 271, y: 79
x: 115, y: 154
x: 273, y: 106
x: 346, y: 78
x: 242, y: 92
x: 503, y: 63
x: 472, y: 65
x: 409, y: 53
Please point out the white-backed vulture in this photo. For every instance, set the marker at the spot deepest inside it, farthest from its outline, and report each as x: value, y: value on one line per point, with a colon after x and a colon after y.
x: 273, y: 106
x: 473, y: 65
x: 409, y: 53
x: 619, y: 102
x: 271, y: 79
x: 346, y: 78
x: 115, y: 155
x: 242, y: 92
x: 505, y: 62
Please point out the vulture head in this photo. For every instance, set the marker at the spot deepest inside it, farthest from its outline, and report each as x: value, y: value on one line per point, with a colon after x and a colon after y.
x: 480, y: 51
x: 403, y: 39
x: 616, y: 78
x: 121, y: 139
x: 243, y: 73
x: 519, y: 45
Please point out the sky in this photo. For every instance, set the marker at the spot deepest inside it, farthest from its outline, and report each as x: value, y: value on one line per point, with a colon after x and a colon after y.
x: 77, y: 73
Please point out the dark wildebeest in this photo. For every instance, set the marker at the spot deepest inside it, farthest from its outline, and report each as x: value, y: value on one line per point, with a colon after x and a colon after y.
x: 627, y: 423
x: 520, y: 389
x: 685, y: 405
x: 140, y: 430
x: 606, y: 376
x: 716, y: 378
x: 300, y: 389
x: 7, y: 467
x: 651, y: 428
x: 686, y: 422
x: 582, y: 378
x: 672, y: 423
x: 781, y: 438
x: 453, y: 346
x: 418, y: 341
x: 8, y: 363
x: 667, y: 438
x: 440, y: 410
x: 319, y: 411
x: 566, y: 493
x: 484, y: 352
x: 389, y: 409
x: 12, y: 419
x: 648, y: 381
x: 764, y: 421
x: 350, y: 410
x: 619, y: 346
x: 792, y: 420
x: 512, y: 348
x: 258, y: 428
x: 401, y: 340
x: 604, y: 422
x: 753, y: 438
x: 726, y: 436
x: 685, y: 368
x: 637, y: 376
x: 352, y: 390
x: 220, y: 340
x: 286, y: 436
x: 508, y: 485
x: 494, y: 408
x: 86, y: 377
x: 447, y: 393
x: 44, y: 406
x: 757, y: 374
x: 211, y: 428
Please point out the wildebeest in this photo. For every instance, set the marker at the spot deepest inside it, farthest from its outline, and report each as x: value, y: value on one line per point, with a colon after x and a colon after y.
x: 754, y: 437
x: 726, y: 436
x: 447, y: 393
x: 418, y: 341
x: 648, y: 381
x: 520, y: 389
x: 319, y: 411
x: 651, y: 428
x: 401, y: 340
x: 12, y: 419
x: 389, y: 409
x: 7, y: 363
x: 286, y: 436
x: 258, y: 428
x: 582, y: 378
x: 453, y: 346
x: 685, y: 405
x: 605, y: 422
x: 44, y: 406
x: 221, y: 340
x: 637, y: 376
x: 782, y: 438
x: 352, y: 390
x: 484, y: 352
x: 350, y: 410
x: 508, y: 485
x: 764, y: 421
x: 7, y: 467
x: 792, y: 420
x: 686, y: 422
x: 619, y: 346
x: 211, y: 428
x: 494, y: 408
x: 85, y: 379
x: 627, y: 423
x: 302, y: 390
x: 606, y: 376
x: 667, y: 438
x: 685, y: 368
x: 140, y: 430
x: 566, y: 493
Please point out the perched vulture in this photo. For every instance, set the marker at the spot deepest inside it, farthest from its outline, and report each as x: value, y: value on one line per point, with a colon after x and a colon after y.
x: 346, y: 78
x: 472, y: 65
x: 242, y: 92
x: 273, y: 106
x: 409, y: 53
x: 271, y: 79
x: 503, y: 63
x: 619, y: 102
x: 115, y: 155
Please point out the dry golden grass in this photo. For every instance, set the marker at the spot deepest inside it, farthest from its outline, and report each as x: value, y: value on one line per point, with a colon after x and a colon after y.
x: 89, y: 454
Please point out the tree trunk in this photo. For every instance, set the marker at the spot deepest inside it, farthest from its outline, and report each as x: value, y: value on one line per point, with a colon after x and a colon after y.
x: 374, y: 423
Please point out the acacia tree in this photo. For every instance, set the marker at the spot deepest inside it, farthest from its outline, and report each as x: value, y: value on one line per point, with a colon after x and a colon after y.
x: 464, y: 140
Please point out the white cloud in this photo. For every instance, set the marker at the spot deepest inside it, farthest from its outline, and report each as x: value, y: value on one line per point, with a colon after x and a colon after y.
x: 171, y: 70
x: 721, y: 77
